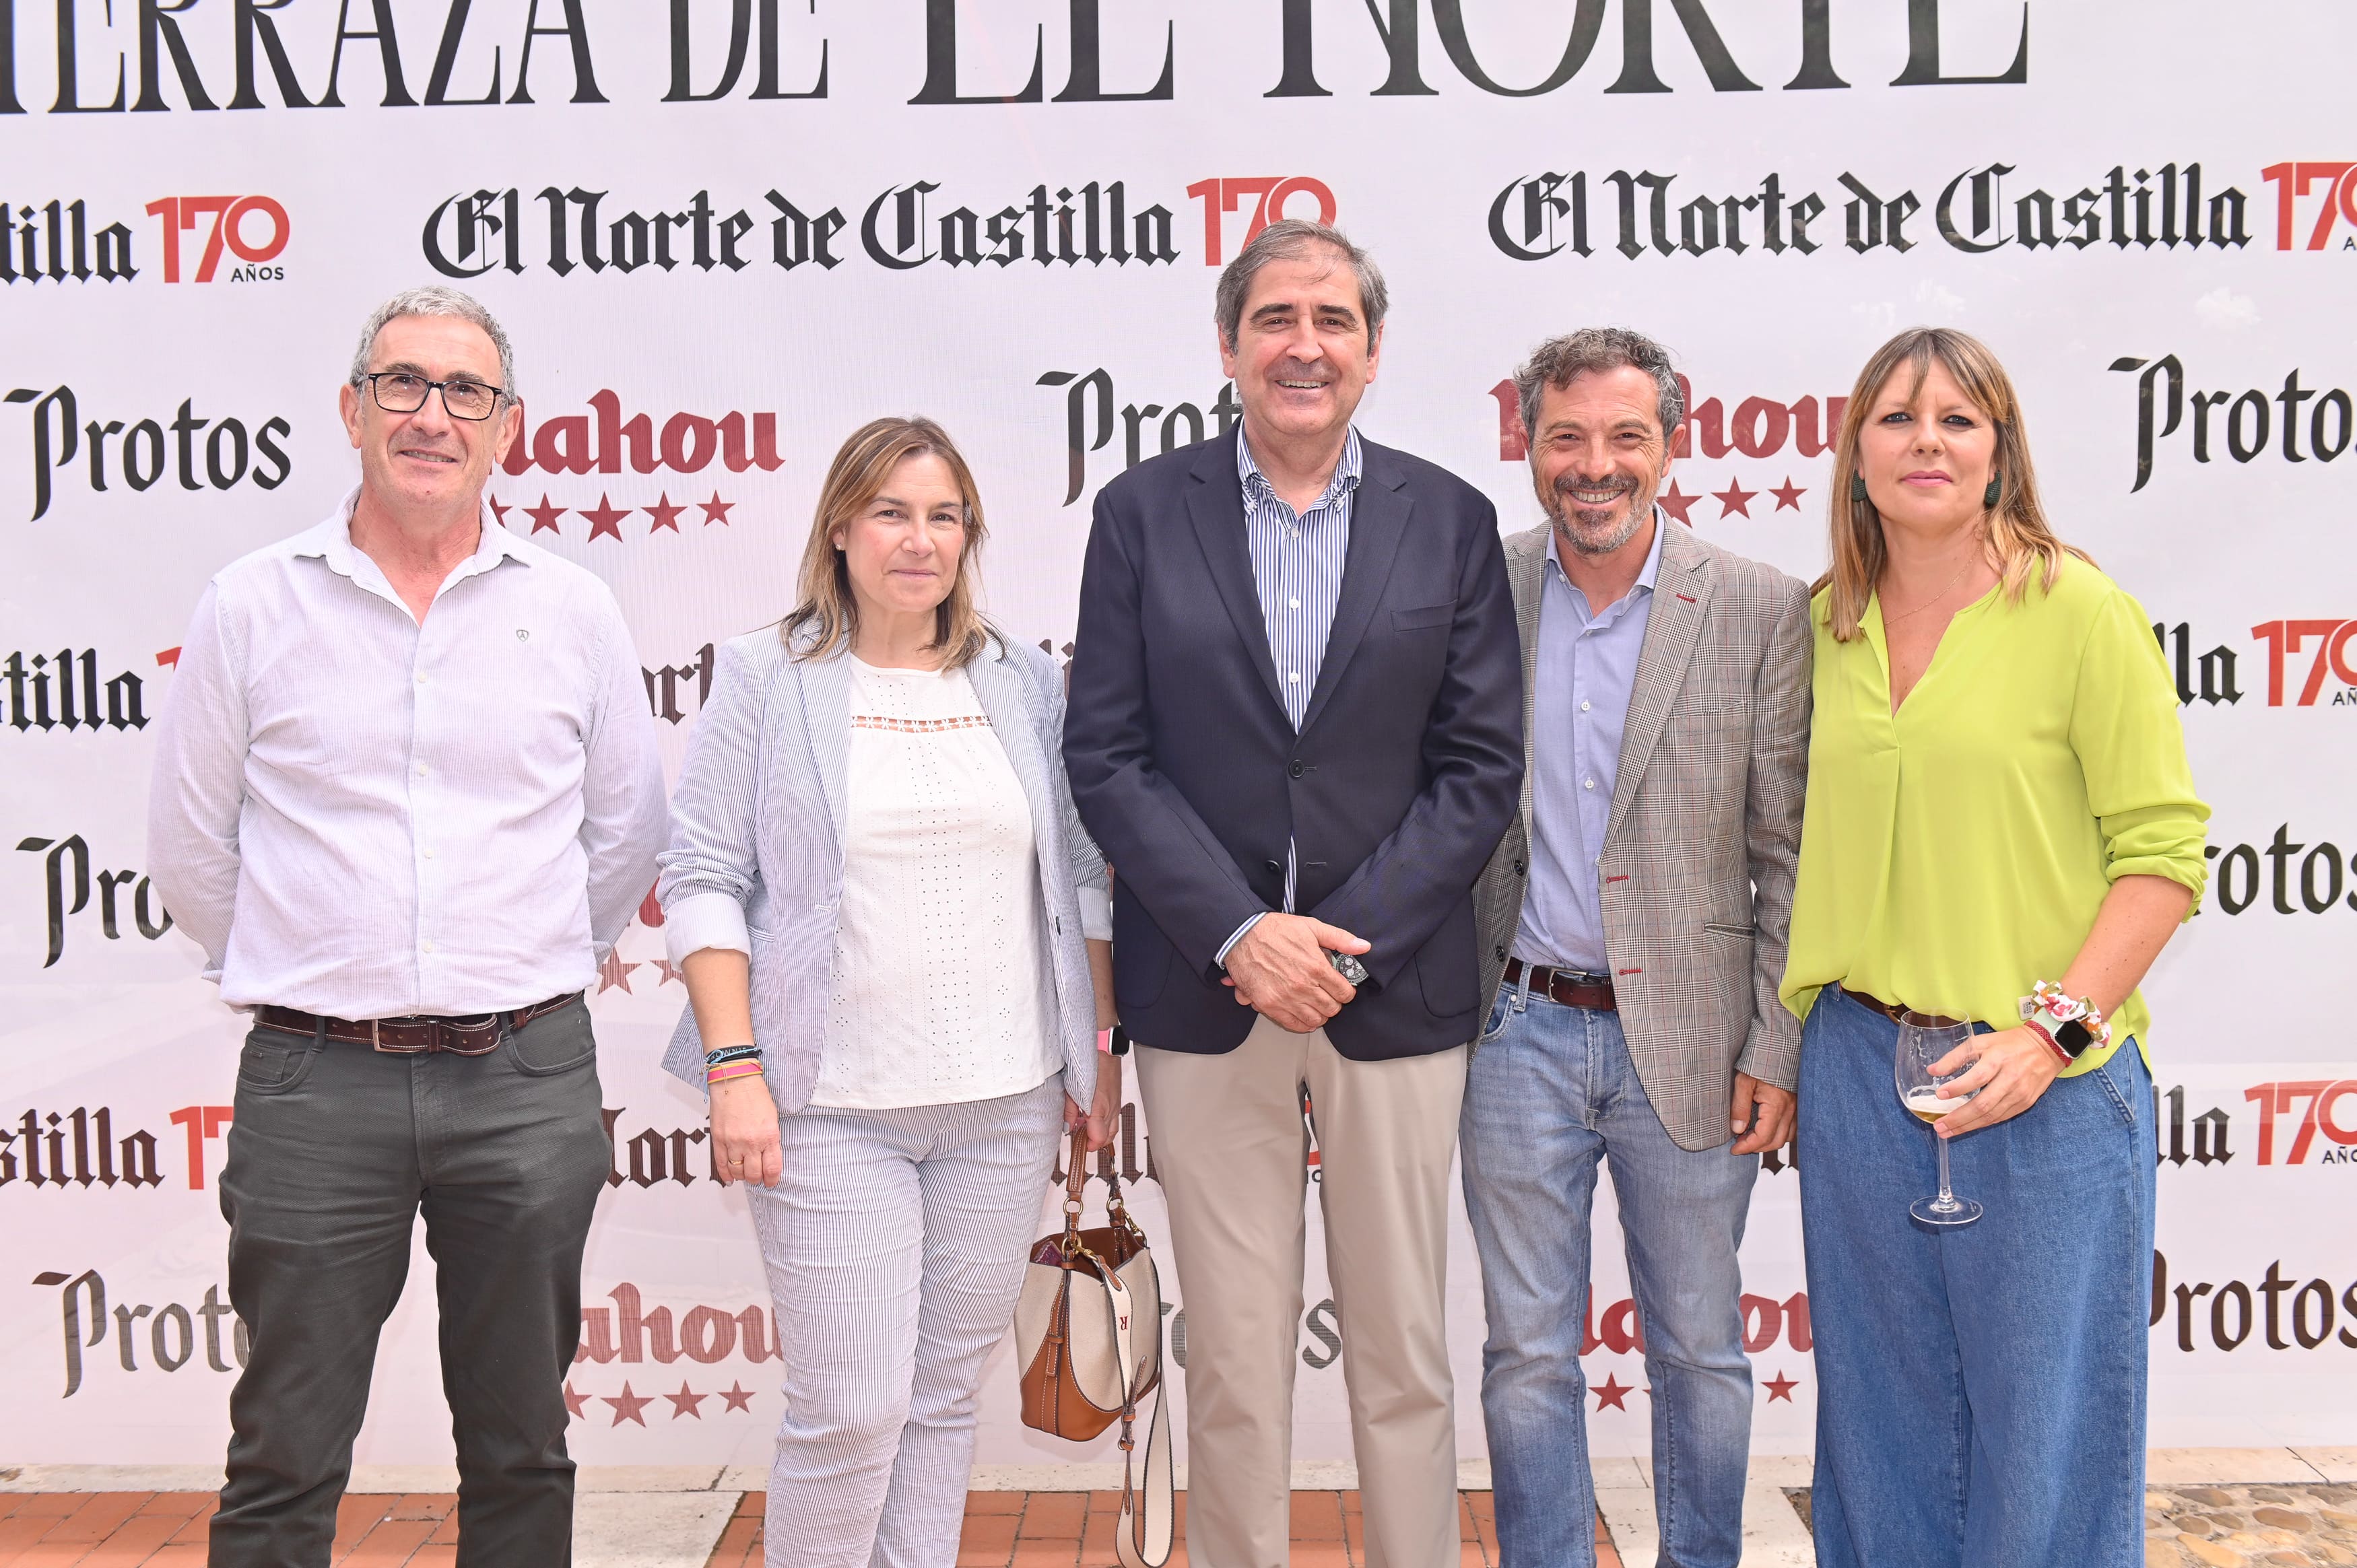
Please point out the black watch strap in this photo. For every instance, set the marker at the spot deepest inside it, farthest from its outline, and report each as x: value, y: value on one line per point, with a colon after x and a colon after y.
x: 1120, y: 1044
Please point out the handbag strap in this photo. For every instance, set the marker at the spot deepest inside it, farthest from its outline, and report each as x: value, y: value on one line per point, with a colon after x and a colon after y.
x: 1142, y: 1537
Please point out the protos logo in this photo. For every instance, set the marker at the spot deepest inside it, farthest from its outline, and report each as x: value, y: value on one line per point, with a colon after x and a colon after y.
x: 236, y: 220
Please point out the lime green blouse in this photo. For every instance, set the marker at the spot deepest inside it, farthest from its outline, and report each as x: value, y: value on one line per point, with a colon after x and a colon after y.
x: 1955, y: 852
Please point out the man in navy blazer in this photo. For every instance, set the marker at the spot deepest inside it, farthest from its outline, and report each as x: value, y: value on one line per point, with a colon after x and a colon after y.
x: 1296, y: 730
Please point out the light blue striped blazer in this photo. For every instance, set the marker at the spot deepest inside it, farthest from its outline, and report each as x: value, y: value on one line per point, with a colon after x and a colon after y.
x: 755, y: 861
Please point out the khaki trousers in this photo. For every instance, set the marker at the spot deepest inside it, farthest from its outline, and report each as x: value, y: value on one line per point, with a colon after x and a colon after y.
x: 1231, y: 1150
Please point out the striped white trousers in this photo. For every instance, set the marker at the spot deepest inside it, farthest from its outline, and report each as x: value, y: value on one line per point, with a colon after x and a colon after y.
x: 895, y: 1243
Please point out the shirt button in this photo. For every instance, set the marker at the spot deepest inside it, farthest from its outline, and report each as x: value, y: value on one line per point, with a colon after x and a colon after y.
x: 1583, y: 707
x: 427, y: 945
x: 1295, y: 603
x: 1588, y: 783
x: 429, y: 854
x: 420, y: 770
x: 1294, y: 677
x: 421, y: 680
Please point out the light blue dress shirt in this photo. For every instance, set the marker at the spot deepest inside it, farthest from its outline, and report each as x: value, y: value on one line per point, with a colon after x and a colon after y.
x: 1584, y: 674
x: 1297, y: 561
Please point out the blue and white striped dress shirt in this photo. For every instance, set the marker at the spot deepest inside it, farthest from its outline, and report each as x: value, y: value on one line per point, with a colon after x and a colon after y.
x: 1297, y: 561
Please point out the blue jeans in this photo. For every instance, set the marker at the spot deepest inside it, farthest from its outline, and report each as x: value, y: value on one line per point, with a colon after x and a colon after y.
x: 1980, y: 1389
x: 1551, y: 1091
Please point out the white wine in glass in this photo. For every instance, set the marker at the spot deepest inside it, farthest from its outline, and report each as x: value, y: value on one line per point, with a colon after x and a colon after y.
x: 1923, y: 1040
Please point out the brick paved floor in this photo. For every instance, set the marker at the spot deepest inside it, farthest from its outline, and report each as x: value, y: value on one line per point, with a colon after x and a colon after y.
x: 2230, y: 1527
x: 1003, y: 1530
x: 118, y: 1530
x: 1074, y: 1530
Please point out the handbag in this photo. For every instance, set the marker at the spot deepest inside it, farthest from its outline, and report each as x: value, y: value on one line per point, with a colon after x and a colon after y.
x: 1088, y: 1335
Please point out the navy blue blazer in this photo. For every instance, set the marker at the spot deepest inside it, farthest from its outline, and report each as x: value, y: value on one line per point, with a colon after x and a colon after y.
x: 1187, y: 772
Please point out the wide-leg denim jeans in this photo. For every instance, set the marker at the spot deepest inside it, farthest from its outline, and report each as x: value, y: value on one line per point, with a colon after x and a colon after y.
x: 1551, y: 1092
x: 1981, y: 1389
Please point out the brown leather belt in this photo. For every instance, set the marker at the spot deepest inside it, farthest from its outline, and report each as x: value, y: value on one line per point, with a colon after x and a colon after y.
x: 1571, y: 987
x: 1898, y: 1014
x: 477, y: 1035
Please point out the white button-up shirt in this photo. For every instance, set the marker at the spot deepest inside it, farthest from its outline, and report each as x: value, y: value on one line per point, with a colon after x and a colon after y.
x: 359, y: 815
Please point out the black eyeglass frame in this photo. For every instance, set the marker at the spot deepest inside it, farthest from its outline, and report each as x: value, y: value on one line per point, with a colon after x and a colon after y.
x: 499, y: 394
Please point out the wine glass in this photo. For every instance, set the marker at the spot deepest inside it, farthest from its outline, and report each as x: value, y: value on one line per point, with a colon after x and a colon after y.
x: 1923, y: 1040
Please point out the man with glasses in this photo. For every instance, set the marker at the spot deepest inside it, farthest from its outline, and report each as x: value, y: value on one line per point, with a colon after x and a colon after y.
x: 406, y: 795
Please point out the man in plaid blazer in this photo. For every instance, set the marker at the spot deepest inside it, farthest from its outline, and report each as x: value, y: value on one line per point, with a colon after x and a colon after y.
x: 1632, y: 929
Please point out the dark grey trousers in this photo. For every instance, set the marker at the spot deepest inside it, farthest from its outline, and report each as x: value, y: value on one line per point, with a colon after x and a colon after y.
x: 335, y: 1150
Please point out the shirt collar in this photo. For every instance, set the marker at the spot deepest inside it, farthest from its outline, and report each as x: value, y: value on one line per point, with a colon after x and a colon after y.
x: 331, y: 541
x: 1645, y: 578
x: 1345, y: 479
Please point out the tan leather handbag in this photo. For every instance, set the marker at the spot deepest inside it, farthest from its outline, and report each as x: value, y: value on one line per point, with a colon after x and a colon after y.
x: 1088, y: 1335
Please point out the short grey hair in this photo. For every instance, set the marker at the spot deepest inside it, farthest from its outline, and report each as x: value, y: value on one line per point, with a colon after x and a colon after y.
x: 1290, y: 240
x: 436, y: 299
x: 1554, y: 362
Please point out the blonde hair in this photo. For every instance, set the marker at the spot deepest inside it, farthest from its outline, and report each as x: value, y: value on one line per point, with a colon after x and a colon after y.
x: 2018, y: 532
x: 828, y: 616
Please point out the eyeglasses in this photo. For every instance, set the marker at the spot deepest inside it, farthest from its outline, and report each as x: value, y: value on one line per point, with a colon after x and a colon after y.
x: 397, y: 392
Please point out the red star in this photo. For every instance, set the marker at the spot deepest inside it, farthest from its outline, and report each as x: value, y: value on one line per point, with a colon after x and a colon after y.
x: 1675, y: 501
x: 664, y: 513
x: 545, y: 516
x: 1734, y: 499
x: 685, y: 1402
x: 606, y: 517
x: 1788, y: 494
x: 626, y: 1408
x: 1609, y: 1393
x: 498, y: 513
x: 714, y: 510
x: 613, y: 973
x: 1781, y: 1388
x: 171, y: 656
x: 739, y: 1396
x: 574, y: 1402
x: 669, y: 974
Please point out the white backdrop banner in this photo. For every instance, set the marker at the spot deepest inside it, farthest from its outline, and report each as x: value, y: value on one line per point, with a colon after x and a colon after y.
x: 725, y: 232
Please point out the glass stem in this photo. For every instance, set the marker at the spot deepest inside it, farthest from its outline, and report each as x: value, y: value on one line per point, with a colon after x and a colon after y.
x: 1947, y: 1199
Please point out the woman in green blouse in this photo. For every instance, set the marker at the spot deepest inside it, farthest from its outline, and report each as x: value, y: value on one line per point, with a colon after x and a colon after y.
x: 1999, y: 806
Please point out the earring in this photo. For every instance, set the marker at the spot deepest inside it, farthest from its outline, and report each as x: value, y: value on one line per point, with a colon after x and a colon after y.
x: 1989, y: 496
x: 1857, y: 486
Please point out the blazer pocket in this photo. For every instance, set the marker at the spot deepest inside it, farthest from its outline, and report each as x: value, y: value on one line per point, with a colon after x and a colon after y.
x: 1422, y: 616
x: 1730, y: 930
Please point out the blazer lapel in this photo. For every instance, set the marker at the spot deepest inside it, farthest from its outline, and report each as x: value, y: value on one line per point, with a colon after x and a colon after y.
x: 1527, y: 577
x: 998, y: 685
x: 1682, y: 591
x: 1216, y: 505
x: 826, y: 718
x: 1378, y: 515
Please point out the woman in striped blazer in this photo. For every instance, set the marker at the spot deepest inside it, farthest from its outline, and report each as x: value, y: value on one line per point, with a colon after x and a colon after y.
x: 895, y: 933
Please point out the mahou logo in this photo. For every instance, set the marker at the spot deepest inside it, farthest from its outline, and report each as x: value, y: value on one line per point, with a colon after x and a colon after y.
x: 608, y: 439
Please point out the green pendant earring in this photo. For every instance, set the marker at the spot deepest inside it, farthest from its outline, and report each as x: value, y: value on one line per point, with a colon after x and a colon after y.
x: 1989, y: 497
x: 1857, y: 486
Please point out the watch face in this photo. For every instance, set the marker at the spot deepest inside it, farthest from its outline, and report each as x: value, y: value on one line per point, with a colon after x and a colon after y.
x: 2074, y: 1036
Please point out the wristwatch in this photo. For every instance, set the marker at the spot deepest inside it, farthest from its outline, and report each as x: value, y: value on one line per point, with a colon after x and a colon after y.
x: 1119, y: 1045
x: 2070, y: 1025
x: 1348, y: 966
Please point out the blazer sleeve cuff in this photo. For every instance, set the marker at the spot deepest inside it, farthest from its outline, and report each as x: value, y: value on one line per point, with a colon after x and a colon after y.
x: 1096, y: 912
x: 704, y: 920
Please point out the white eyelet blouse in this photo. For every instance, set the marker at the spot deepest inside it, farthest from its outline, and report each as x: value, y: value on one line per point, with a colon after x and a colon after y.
x: 940, y: 985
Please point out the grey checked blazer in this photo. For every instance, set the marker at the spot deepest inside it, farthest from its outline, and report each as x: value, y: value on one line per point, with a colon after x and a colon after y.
x: 758, y: 828
x: 1705, y: 832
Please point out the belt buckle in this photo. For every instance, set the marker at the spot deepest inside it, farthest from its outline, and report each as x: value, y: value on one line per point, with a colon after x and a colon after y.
x: 376, y: 1041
